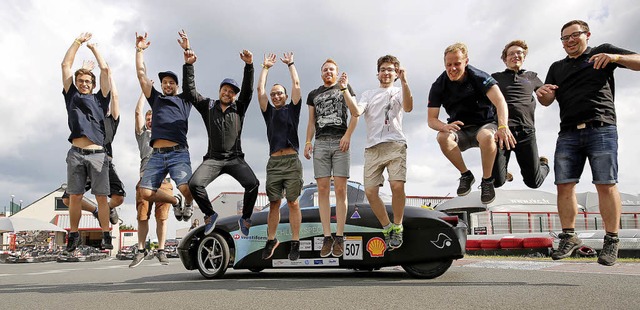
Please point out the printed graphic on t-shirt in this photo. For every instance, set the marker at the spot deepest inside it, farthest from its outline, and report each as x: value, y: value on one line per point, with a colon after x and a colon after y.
x: 328, y: 107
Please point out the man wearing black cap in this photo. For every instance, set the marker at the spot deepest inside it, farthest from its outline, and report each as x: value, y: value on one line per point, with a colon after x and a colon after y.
x: 168, y: 138
x: 223, y: 119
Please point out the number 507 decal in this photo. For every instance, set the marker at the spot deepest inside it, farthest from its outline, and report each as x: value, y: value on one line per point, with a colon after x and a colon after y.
x: 352, y: 248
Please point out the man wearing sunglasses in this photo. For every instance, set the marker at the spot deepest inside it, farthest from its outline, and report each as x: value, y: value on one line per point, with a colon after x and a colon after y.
x: 583, y: 85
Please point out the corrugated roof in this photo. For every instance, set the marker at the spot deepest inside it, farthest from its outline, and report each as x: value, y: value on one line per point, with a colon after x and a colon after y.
x: 87, y: 222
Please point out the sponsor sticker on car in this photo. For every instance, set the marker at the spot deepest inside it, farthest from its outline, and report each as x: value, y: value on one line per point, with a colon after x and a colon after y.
x: 376, y: 247
x: 352, y: 248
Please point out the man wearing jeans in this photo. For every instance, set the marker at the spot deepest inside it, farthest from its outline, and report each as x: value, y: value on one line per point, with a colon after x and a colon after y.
x: 328, y: 120
x: 386, y: 146
x: 223, y: 120
x: 583, y: 85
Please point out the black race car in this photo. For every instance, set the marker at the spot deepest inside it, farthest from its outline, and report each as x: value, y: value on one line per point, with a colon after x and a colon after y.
x: 432, y: 240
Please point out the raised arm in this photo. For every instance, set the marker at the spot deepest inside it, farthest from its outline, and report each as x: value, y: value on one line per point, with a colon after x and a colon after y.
x: 115, y: 99
x: 67, y: 62
x: 504, y: 136
x: 295, y: 80
x: 139, y: 115
x: 267, y: 63
x: 141, y: 70
x: 630, y: 61
x: 354, y: 109
x: 105, y: 73
x: 407, y: 98
x: 246, y: 90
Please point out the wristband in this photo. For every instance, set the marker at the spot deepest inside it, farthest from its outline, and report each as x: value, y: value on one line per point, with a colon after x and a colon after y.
x: 264, y: 67
x: 617, y: 57
x: 308, y: 142
x: 187, y: 49
x: 502, y: 126
x: 343, y: 89
x: 290, y: 64
x: 139, y: 49
x: 77, y: 41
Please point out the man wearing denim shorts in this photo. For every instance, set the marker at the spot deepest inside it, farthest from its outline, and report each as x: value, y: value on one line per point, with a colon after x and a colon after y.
x: 328, y: 120
x: 87, y: 158
x: 386, y: 147
x: 284, y: 169
x: 168, y: 138
x: 143, y: 137
x: 469, y: 95
x: 223, y: 119
x: 583, y: 85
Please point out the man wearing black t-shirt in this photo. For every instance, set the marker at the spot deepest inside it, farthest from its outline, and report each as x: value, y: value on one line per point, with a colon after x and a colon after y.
x: 284, y: 169
x: 168, y: 138
x: 583, y: 85
x: 87, y: 158
x: 223, y: 119
x: 517, y: 85
x: 469, y: 95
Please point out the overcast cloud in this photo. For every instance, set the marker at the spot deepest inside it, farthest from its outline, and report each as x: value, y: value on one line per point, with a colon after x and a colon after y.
x: 36, y: 34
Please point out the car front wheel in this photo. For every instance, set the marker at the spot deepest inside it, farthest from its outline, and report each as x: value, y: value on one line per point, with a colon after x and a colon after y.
x: 213, y: 256
x: 429, y: 270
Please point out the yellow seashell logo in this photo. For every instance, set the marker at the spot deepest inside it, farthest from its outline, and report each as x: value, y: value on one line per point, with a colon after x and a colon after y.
x: 376, y: 247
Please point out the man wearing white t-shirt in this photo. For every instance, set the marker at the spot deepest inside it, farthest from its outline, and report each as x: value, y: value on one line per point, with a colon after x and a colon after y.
x: 386, y: 146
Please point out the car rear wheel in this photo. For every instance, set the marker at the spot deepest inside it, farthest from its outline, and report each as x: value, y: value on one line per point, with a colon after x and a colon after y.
x: 429, y: 270
x: 213, y: 256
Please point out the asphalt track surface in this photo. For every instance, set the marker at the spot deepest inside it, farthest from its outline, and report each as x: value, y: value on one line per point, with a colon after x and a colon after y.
x: 469, y: 284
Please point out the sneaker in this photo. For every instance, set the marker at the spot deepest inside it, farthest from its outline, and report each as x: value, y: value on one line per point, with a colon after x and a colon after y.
x: 294, y: 253
x: 568, y: 244
x: 487, y: 192
x: 162, y: 258
x: 106, y: 242
x: 210, y: 223
x: 387, y: 234
x: 338, y: 246
x: 73, y: 241
x: 113, y: 216
x: 544, y: 160
x: 327, y: 245
x: 396, y: 236
x: 609, y: 252
x: 187, y: 212
x: 269, y: 248
x: 138, y: 258
x: 465, y: 184
x: 177, y: 208
x: 244, y: 224
x: 509, y: 177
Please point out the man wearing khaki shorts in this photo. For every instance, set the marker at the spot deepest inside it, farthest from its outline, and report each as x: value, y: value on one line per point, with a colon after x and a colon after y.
x: 386, y: 147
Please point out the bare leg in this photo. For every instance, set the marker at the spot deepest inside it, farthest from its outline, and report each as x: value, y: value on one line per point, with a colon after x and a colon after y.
x: 75, y: 211
x: 398, y: 200
x: 143, y: 230
x: 451, y: 151
x: 161, y: 231
x: 377, y: 206
x: 340, y: 185
x: 567, y: 205
x: 324, y: 187
x: 103, y: 212
x: 295, y: 219
x: 488, y: 151
x: 274, y: 219
x: 157, y: 196
x: 610, y: 206
x: 184, y: 189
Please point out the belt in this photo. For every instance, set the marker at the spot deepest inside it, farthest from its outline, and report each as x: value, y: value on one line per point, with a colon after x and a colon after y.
x: 589, y: 124
x: 168, y: 149
x: 86, y: 151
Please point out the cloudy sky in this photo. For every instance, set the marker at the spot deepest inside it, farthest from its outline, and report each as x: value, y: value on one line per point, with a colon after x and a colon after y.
x: 36, y: 34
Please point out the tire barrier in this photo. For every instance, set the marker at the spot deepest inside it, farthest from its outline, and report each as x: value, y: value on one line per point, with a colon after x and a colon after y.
x: 490, y: 244
x: 512, y: 243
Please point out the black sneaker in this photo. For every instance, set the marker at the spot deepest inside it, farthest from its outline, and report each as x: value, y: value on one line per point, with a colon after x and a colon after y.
x: 138, y: 258
x: 73, y: 241
x: 177, y: 208
x: 106, y: 242
x: 466, y: 180
x: 294, y: 253
x: 269, y: 248
x: 568, y: 244
x: 113, y: 216
x: 327, y: 246
x: 609, y: 252
x: 487, y: 192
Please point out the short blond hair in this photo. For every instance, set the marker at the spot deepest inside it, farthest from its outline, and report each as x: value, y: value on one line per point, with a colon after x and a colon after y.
x: 459, y: 46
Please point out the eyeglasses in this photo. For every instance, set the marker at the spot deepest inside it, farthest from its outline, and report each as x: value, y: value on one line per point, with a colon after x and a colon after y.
x: 390, y: 70
x: 276, y: 93
x: 574, y: 35
x: 514, y: 53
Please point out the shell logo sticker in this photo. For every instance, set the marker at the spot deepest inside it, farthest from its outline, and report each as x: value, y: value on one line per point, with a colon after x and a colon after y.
x: 376, y: 247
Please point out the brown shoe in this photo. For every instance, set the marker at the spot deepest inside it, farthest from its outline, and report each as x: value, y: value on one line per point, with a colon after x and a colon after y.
x: 327, y: 244
x: 338, y: 246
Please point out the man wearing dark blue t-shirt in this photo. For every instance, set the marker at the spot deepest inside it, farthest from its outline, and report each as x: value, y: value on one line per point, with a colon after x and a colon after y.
x: 469, y: 95
x: 583, y: 85
x: 168, y: 138
x: 87, y: 158
x: 223, y: 119
x: 284, y: 169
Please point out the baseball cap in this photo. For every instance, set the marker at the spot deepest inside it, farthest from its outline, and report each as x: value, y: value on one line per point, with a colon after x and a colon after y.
x: 170, y: 74
x: 231, y: 82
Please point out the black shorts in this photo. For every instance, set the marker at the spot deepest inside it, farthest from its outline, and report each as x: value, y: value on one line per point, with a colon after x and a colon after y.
x: 115, y: 185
